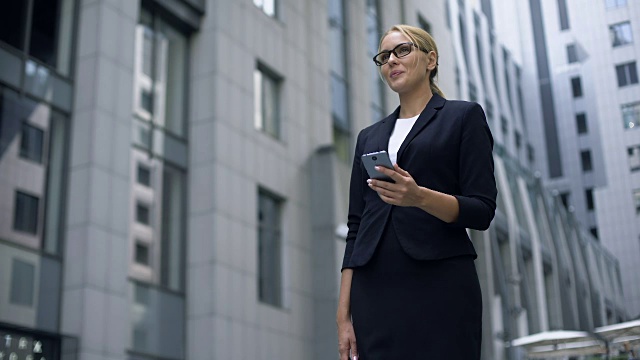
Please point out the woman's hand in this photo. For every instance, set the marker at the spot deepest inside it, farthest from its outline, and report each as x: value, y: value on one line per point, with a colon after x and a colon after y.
x: 405, y: 191
x: 347, y: 340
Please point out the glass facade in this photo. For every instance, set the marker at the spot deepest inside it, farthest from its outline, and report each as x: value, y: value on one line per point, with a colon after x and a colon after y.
x: 374, y: 32
x: 339, y: 80
x: 159, y: 190
x: 270, y: 248
x: 267, y: 99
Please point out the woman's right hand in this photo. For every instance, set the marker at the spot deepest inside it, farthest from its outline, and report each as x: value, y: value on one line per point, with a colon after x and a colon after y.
x: 347, y: 341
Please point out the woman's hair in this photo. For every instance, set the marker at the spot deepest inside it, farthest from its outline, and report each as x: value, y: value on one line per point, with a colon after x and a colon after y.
x: 424, y: 41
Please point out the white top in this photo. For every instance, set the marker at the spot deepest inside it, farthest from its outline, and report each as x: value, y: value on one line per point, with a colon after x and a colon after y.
x: 400, y: 132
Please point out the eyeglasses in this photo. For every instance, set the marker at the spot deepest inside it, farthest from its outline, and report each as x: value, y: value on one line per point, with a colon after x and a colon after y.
x: 401, y: 50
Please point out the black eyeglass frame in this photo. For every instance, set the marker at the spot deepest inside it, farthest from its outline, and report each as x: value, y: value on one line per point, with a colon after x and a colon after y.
x: 393, y: 51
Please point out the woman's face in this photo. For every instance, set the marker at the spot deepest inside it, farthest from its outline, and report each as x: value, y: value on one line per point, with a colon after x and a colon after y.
x: 406, y: 73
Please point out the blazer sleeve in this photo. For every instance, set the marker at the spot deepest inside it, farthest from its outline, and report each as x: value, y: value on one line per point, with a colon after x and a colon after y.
x: 478, y: 192
x: 356, y: 201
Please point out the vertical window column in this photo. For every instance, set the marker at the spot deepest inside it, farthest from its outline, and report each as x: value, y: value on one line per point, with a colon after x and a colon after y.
x: 270, y: 248
x: 339, y: 82
x: 267, y: 98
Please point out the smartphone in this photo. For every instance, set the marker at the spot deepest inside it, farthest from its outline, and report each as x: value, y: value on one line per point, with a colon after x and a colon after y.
x: 378, y: 158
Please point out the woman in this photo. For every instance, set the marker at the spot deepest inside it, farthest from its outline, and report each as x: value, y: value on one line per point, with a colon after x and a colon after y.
x: 409, y: 287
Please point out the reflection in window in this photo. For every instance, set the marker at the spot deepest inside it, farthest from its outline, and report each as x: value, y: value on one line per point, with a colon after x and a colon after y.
x: 269, y: 7
x: 160, y: 69
x: 631, y: 115
x: 269, y: 249
x: 267, y: 117
x: 620, y: 34
x: 634, y: 157
x: 26, y: 213
x: 31, y: 143
x: 627, y: 74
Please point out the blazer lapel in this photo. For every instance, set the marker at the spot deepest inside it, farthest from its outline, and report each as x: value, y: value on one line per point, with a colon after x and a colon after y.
x: 436, y: 103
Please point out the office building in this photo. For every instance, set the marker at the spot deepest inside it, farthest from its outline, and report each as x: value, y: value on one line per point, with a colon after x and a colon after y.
x: 173, y: 177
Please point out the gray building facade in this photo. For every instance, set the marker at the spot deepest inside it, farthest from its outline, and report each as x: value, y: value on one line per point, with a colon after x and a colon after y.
x: 174, y: 176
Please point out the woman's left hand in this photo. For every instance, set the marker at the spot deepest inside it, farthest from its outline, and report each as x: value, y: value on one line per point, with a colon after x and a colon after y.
x: 405, y: 191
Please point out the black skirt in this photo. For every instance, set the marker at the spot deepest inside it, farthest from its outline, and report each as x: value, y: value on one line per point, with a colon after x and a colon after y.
x: 404, y: 308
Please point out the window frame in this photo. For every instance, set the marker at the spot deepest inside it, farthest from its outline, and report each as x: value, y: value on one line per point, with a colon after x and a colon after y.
x: 275, y: 82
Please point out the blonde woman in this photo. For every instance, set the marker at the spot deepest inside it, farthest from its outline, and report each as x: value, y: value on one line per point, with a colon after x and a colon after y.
x: 409, y: 287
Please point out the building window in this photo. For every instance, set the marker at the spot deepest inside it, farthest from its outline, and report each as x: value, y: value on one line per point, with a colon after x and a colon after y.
x: 634, y: 157
x: 504, y: 124
x: 269, y: 248
x: 636, y: 200
x: 581, y: 123
x: 576, y: 87
x: 489, y: 110
x: 473, y: 92
x: 267, y: 101
x: 479, y: 49
x: 142, y: 255
x: 422, y: 23
x: 374, y: 32
x: 26, y: 213
x: 530, y: 153
x: 48, y: 26
x: 144, y: 175
x: 518, y: 139
x: 564, y: 15
x: 627, y: 74
x: 564, y: 198
x: 631, y: 115
x: 143, y: 214
x: 572, y: 53
x: 22, y: 283
x: 159, y: 154
x: 269, y: 7
x: 585, y: 158
x: 31, y: 142
x: 338, y: 80
x: 615, y: 3
x: 620, y: 34
x: 594, y: 232
x: 588, y: 193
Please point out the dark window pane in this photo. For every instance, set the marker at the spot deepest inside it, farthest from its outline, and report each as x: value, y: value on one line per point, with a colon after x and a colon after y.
x: 564, y: 16
x: 26, y: 213
x: 31, y: 143
x: 572, y: 54
x: 269, y: 249
x: 594, y: 232
x: 142, y: 214
x: 564, y: 198
x: 589, y: 195
x: 22, y: 282
x: 44, y: 28
x: 144, y: 175
x: 627, y: 74
x: 576, y: 87
x: 585, y: 157
x: 142, y: 253
x: 12, y: 21
x: 581, y: 123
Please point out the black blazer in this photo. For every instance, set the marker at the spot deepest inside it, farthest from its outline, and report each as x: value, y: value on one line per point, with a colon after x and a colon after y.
x: 449, y: 149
